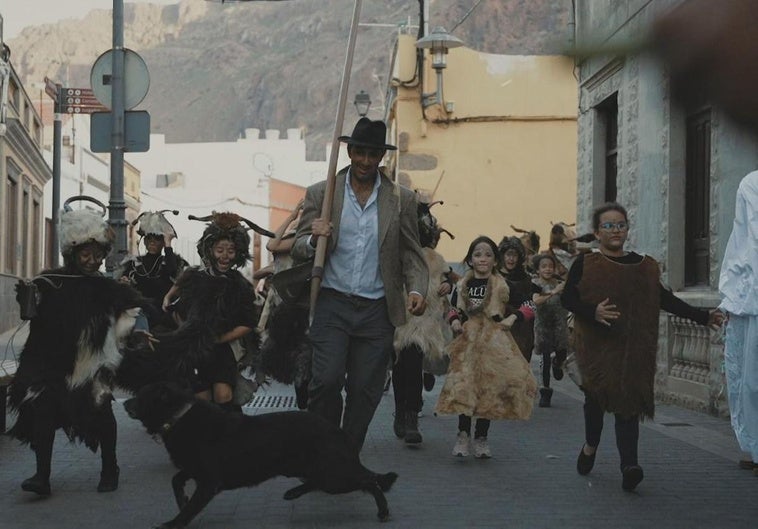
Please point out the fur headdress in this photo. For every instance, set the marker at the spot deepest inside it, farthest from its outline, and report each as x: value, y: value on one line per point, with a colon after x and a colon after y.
x: 227, y: 226
x: 83, y: 226
x: 154, y: 223
x: 512, y: 243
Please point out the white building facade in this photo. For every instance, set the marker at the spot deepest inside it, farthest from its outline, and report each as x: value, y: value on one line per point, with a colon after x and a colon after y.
x: 200, y: 178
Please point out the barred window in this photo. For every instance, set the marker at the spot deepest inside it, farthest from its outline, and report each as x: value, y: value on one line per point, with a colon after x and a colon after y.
x: 608, y: 120
x: 697, y: 197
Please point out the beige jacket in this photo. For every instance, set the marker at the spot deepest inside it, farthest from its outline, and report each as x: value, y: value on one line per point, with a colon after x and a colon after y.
x: 401, y: 260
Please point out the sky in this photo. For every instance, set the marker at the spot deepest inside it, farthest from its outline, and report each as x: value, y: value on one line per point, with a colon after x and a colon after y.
x: 18, y: 14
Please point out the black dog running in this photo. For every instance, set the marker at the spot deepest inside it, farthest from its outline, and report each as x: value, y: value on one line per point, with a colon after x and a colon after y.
x: 220, y: 450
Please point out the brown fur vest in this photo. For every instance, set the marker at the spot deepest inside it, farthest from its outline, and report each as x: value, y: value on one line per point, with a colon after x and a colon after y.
x: 430, y: 332
x: 618, y: 362
x: 488, y: 377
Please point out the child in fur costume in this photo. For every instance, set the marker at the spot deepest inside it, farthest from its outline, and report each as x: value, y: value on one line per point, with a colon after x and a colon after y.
x: 67, y: 366
x: 154, y: 273
x: 551, y: 323
x: 419, y: 344
x: 488, y: 376
x: 521, y: 289
x: 286, y: 350
x: 280, y: 247
x: 216, y: 307
x: 616, y: 297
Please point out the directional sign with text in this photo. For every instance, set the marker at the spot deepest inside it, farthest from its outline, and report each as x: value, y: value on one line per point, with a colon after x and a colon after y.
x: 51, y: 88
x: 79, y: 101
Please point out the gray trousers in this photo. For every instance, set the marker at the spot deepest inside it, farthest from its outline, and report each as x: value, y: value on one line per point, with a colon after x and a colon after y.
x: 352, y: 344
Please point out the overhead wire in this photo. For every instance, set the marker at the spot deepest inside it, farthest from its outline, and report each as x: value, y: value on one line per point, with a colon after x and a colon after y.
x: 466, y: 15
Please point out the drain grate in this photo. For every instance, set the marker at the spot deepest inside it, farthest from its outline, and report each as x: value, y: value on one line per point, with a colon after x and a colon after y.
x: 272, y: 401
x: 675, y: 424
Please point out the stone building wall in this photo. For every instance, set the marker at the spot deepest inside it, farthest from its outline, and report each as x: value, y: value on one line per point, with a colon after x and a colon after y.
x: 651, y: 185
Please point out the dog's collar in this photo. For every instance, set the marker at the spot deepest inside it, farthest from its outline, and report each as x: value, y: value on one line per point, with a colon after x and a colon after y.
x: 166, y: 426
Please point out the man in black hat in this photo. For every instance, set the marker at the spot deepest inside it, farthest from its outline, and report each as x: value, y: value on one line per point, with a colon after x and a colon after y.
x: 373, y: 259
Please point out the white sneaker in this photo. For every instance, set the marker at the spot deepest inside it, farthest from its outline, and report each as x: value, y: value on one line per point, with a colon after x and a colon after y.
x: 461, y: 445
x: 482, y: 448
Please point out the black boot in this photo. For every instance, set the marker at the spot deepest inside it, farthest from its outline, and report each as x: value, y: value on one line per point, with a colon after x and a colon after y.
x: 557, y: 365
x: 230, y: 407
x: 398, y: 425
x: 412, y: 435
x: 301, y: 394
x: 545, y: 395
x: 108, y: 479
x: 39, y: 483
x: 429, y: 380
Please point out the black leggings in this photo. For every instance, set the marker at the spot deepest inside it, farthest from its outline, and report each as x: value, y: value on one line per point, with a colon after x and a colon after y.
x: 560, y: 357
x: 481, y: 428
x: 627, y: 430
x: 407, y: 379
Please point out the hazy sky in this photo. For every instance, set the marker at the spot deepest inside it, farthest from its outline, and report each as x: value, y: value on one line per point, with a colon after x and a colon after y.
x: 17, y: 14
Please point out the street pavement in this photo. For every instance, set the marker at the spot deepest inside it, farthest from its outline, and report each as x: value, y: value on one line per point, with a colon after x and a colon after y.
x: 690, y: 462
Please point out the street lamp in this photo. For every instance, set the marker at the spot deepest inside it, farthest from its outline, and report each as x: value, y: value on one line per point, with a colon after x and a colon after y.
x: 362, y: 103
x: 439, y: 41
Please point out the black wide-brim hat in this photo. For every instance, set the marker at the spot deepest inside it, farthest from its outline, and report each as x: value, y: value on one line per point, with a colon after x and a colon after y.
x: 368, y: 133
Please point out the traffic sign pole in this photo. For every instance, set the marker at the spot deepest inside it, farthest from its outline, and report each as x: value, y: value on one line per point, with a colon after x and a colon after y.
x: 117, y: 206
x: 56, y: 170
x: 55, y: 91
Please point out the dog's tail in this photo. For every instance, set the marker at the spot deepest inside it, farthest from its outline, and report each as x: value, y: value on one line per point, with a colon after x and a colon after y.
x: 385, y: 481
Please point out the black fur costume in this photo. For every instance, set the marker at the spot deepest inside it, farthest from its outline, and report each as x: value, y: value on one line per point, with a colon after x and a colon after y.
x: 153, y: 276
x: 286, y: 351
x: 520, y: 297
x: 210, y: 304
x: 67, y: 366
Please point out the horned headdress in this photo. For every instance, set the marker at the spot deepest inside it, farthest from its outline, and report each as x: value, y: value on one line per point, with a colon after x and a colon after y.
x: 227, y: 225
x: 429, y: 229
x: 83, y: 226
x: 154, y: 223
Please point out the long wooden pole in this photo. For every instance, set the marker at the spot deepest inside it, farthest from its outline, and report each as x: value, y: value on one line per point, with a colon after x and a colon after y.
x: 326, y: 209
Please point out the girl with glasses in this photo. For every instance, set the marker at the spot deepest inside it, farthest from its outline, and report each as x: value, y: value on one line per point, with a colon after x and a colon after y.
x: 616, y: 296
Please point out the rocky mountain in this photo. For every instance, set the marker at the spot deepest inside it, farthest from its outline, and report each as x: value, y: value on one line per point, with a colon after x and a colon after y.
x: 216, y: 69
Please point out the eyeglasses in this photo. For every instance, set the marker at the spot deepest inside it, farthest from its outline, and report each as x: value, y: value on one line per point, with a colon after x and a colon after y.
x: 610, y: 226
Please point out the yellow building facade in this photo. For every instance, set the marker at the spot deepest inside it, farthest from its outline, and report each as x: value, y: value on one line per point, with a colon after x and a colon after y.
x: 499, y: 148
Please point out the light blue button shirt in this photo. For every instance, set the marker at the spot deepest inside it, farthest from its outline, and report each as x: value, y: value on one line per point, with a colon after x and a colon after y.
x: 353, y: 266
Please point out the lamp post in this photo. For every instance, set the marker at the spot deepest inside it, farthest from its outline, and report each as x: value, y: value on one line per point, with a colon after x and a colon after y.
x: 362, y: 103
x: 439, y: 41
